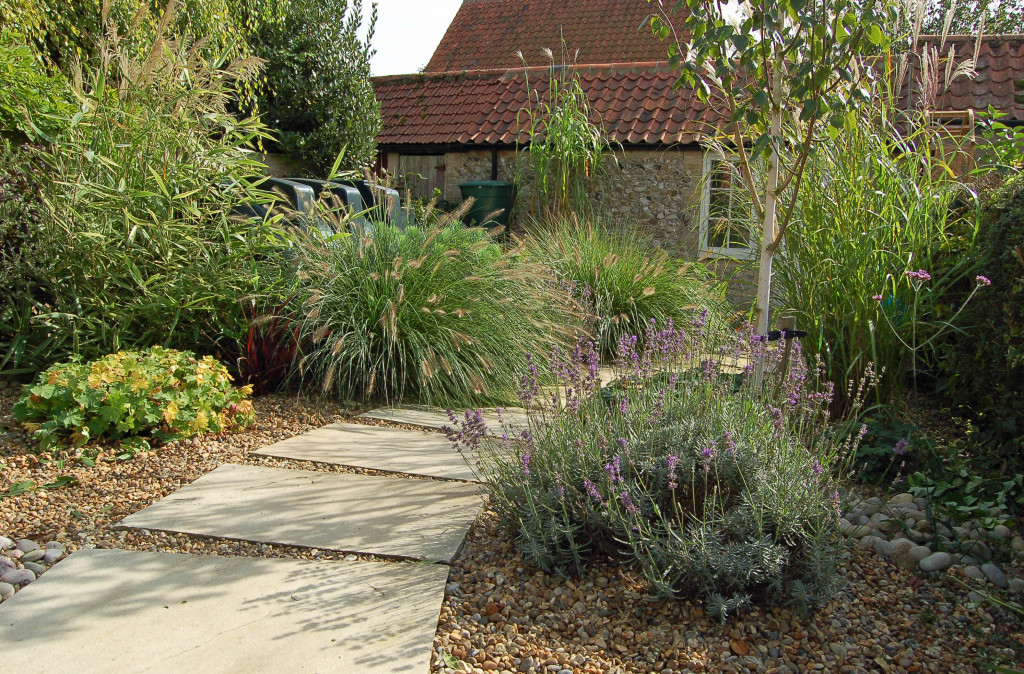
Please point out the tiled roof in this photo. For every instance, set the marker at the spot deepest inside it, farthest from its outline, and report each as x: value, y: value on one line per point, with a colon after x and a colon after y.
x: 637, y: 105
x: 486, y: 34
x: 1000, y: 78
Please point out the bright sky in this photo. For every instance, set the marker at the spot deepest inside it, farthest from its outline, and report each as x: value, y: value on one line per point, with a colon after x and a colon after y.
x: 408, y: 31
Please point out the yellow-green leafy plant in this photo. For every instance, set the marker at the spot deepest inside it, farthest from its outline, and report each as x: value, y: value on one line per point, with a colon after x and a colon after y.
x: 156, y: 393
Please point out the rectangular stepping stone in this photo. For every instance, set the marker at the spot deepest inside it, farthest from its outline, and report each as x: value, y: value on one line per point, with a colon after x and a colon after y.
x: 430, y: 417
x: 103, y: 611
x: 380, y: 448
x: 399, y: 517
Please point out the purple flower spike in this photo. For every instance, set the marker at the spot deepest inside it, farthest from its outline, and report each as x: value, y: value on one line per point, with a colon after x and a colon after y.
x: 593, y: 491
x: 817, y: 468
x: 901, y: 448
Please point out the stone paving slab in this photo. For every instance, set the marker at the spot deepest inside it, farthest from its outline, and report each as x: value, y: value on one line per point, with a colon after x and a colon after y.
x: 104, y: 611
x: 430, y: 417
x: 380, y: 448
x: 399, y: 517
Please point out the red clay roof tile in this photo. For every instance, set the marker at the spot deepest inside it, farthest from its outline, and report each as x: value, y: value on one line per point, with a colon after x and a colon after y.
x: 640, y: 106
x: 487, y: 34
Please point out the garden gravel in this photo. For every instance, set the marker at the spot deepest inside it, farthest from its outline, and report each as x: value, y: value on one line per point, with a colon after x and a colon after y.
x: 501, y: 615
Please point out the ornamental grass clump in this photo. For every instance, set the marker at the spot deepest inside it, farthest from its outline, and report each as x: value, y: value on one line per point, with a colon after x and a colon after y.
x: 620, y: 278
x: 439, y: 314
x: 707, y: 483
x: 158, y: 393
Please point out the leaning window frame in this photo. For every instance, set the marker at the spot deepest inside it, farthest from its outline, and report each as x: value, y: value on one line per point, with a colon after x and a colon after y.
x: 708, y: 251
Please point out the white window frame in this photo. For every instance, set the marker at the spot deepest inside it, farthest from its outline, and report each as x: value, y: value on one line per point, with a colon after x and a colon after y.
x: 717, y: 252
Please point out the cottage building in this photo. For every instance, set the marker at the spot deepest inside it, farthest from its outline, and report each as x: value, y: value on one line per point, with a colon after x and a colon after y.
x: 461, y: 118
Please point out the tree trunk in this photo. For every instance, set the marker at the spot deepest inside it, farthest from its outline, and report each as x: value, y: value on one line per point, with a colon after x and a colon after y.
x: 764, y: 276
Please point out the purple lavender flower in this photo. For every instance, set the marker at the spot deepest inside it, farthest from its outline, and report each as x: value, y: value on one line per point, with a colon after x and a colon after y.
x: 593, y: 491
x: 614, y: 470
x: 529, y: 384
x: 729, y: 443
x: 624, y: 445
x: 673, y: 462
x: 631, y: 507
x: 901, y: 447
x: 708, y: 454
x: 982, y: 281
x: 624, y: 406
x: 467, y: 433
x: 817, y: 468
x: 525, y: 460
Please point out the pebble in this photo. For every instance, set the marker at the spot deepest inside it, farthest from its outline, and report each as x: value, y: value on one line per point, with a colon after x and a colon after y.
x: 33, y: 556
x: 974, y: 573
x: 1017, y: 585
x: 6, y: 565
x: 18, y: 577
x: 995, y: 576
x: 52, y: 555
x: 919, y: 552
x: 56, y: 545
x: 26, y: 545
x: 37, y: 569
x: 6, y: 543
x: 1017, y: 544
x: 6, y: 591
x: 939, y: 561
x: 901, y: 499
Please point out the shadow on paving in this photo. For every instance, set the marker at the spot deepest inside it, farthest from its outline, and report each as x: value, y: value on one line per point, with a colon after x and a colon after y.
x: 108, y: 610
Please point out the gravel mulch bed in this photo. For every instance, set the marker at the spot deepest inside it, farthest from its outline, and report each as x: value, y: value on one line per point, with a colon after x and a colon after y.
x: 499, y: 615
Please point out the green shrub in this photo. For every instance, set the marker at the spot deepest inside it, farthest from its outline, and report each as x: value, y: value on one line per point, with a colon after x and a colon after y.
x: 621, y: 278
x: 984, y: 367
x: 709, y: 491
x: 31, y: 95
x: 318, y: 98
x: 158, y: 393
x: 138, y: 241
x: 440, y: 314
x: 877, y: 202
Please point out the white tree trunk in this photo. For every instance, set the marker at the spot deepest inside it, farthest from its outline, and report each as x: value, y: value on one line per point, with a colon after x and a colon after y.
x: 764, y: 276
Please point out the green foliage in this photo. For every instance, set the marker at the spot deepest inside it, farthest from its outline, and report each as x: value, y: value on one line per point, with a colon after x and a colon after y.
x: 778, y: 72
x: 1005, y: 17
x: 709, y: 491
x: 67, y: 32
x: 620, y: 278
x: 318, y: 99
x: 961, y: 496
x: 877, y: 203
x: 160, y: 393
x: 439, y: 314
x: 984, y: 368
x: 136, y: 244
x: 567, y: 149
x: 30, y: 95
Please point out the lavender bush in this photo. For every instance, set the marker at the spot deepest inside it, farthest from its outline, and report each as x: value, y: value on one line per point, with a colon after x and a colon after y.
x: 709, y: 482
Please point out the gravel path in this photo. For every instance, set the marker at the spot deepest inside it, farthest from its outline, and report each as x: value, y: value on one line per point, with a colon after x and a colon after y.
x: 500, y: 615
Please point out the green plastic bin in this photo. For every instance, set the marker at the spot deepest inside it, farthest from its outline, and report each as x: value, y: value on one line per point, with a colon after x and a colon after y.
x: 489, y: 196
